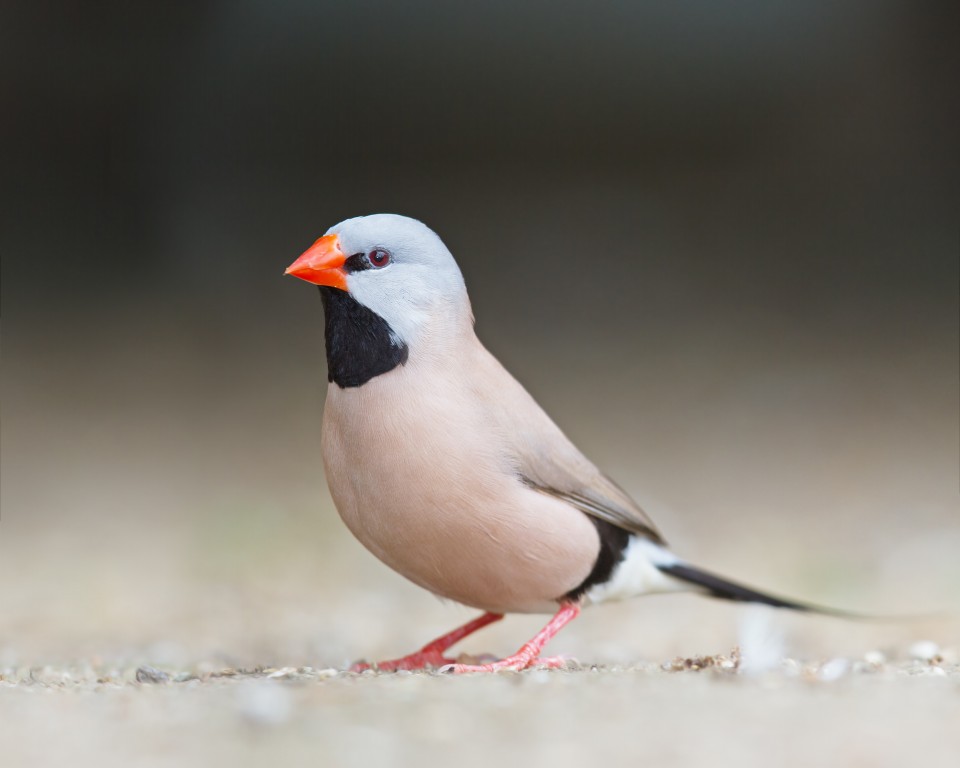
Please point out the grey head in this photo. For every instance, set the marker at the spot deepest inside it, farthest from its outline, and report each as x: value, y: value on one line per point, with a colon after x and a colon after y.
x: 419, y: 280
x: 385, y: 279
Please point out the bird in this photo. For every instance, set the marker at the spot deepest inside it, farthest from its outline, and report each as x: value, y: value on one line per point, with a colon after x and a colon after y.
x: 444, y: 467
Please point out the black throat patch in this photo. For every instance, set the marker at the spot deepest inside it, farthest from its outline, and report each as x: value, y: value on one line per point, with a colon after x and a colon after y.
x: 359, y: 345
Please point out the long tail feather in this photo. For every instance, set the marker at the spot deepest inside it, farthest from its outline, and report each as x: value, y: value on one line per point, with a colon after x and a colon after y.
x: 716, y: 586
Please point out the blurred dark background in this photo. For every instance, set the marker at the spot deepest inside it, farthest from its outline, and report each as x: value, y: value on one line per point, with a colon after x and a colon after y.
x: 718, y: 241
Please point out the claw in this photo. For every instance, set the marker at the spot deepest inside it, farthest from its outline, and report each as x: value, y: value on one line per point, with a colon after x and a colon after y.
x: 528, y: 656
x: 431, y: 655
x: 420, y: 660
x: 510, y: 664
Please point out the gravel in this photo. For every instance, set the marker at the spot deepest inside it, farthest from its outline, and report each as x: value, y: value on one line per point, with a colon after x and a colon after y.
x: 870, y: 710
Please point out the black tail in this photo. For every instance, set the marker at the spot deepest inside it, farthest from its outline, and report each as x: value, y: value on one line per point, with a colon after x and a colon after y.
x: 729, y: 590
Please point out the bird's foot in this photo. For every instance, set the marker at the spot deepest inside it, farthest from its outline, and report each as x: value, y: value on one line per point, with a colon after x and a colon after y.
x: 514, y: 663
x: 431, y: 655
x: 425, y: 659
x: 529, y: 655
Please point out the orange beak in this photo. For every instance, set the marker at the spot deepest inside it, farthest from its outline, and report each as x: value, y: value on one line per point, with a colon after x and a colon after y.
x: 322, y: 264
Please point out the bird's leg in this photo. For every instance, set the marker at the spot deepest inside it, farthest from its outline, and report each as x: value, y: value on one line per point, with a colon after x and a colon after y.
x: 431, y: 655
x: 529, y: 654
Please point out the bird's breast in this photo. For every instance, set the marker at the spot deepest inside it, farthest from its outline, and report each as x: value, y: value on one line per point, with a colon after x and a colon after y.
x: 421, y: 478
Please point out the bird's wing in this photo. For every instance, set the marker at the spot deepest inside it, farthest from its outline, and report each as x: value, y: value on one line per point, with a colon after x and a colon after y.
x: 611, y: 505
x: 546, y: 460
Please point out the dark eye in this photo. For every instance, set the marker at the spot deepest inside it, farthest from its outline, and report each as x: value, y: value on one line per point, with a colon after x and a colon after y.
x: 378, y: 258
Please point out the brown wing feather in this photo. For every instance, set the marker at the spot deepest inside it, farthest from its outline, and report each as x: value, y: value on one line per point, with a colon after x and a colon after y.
x: 631, y: 518
x: 546, y: 459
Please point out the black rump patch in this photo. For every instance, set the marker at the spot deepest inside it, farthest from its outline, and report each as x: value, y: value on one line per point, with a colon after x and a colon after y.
x: 613, y: 543
x: 359, y: 342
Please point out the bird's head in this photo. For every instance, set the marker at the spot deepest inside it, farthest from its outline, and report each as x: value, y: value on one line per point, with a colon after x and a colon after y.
x: 392, y: 265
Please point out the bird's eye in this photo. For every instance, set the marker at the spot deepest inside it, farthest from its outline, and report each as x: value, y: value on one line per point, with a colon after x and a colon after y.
x: 378, y: 258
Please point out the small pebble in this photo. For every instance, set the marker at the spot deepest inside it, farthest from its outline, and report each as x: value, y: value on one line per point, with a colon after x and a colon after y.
x: 283, y: 672
x: 48, y: 675
x: 148, y: 674
x: 924, y: 650
x: 833, y: 670
x: 325, y: 673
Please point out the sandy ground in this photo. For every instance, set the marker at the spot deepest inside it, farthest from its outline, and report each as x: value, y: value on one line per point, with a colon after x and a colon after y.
x: 892, y: 715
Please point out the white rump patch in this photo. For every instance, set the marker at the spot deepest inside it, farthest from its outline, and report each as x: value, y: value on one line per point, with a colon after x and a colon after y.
x: 637, y: 574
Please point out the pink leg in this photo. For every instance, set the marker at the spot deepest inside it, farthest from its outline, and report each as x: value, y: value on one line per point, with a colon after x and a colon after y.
x: 431, y: 655
x: 529, y: 655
